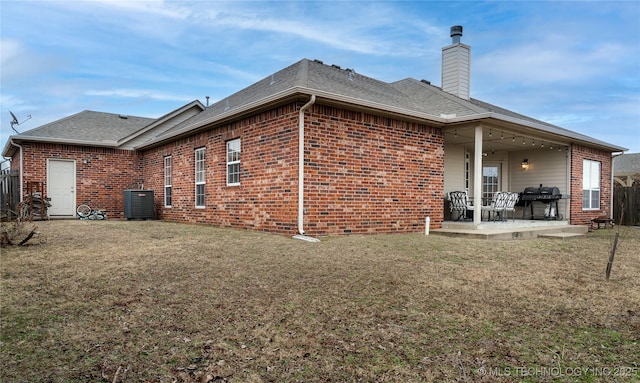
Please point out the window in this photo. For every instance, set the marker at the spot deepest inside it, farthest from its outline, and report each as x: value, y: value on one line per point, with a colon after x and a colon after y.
x: 233, y: 162
x: 167, y: 181
x: 490, y: 182
x: 590, y: 185
x: 200, y: 176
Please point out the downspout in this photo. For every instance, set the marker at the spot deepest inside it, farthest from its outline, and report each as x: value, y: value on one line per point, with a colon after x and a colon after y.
x: 301, y: 163
x: 21, y: 172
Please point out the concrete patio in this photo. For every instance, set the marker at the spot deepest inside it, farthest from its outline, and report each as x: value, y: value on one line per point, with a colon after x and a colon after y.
x: 511, y: 229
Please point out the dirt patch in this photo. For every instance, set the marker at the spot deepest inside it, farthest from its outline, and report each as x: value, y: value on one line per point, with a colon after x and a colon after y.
x: 161, y: 302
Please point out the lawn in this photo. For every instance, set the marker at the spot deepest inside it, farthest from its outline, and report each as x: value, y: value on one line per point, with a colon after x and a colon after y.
x: 148, y: 301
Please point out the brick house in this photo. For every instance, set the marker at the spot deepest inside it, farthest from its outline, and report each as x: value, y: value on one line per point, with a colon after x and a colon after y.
x: 317, y: 149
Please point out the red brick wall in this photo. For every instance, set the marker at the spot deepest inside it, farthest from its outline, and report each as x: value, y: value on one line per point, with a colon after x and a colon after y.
x: 578, y: 154
x: 368, y: 174
x: 264, y: 200
x: 363, y: 174
x: 99, y: 183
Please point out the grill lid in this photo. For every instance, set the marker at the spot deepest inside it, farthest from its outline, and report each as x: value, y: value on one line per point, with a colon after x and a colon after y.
x: 543, y: 192
x: 549, y: 190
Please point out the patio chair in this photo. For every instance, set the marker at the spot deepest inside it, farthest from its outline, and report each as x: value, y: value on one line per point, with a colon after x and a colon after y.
x: 459, y: 203
x: 510, y: 205
x: 503, y: 202
x: 498, y: 204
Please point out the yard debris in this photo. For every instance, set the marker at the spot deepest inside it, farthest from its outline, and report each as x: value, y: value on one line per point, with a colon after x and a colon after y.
x: 16, y: 233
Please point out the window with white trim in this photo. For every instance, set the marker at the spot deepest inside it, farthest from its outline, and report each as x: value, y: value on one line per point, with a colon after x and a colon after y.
x: 233, y: 162
x: 167, y: 181
x: 200, y: 176
x: 590, y: 185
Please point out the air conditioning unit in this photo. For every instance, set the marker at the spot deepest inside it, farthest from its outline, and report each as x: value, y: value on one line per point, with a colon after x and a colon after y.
x: 138, y: 204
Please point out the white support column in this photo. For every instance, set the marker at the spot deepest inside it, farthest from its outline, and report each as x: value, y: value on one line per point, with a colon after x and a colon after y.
x: 477, y: 177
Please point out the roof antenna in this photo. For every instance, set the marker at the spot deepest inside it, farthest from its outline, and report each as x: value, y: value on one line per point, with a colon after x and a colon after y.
x: 207, y: 97
x: 14, y: 121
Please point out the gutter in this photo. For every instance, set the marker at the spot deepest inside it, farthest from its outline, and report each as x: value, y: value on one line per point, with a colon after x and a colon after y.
x: 294, y: 91
x: 67, y: 141
x: 21, y: 170
x: 440, y: 121
x: 161, y: 120
x: 301, y: 163
x: 553, y: 130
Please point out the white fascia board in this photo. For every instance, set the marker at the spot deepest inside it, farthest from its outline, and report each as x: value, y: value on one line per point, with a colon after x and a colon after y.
x: 557, y: 131
x: 567, y: 134
x: 374, y: 105
x: 160, y: 121
x: 219, y: 117
x: 291, y: 92
x: 104, y: 143
x: 7, y: 147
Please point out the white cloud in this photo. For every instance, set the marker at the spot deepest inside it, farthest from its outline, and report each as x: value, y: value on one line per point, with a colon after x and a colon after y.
x: 19, y: 63
x: 558, y: 61
x: 547, y: 62
x: 138, y: 93
x: 357, y: 28
x: 145, y: 7
x: 10, y: 49
x: 12, y: 102
x: 566, y: 119
x: 234, y: 72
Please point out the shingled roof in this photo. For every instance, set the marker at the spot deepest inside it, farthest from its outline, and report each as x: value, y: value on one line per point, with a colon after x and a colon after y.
x: 409, y: 97
x: 90, y: 126
x: 331, y: 82
x: 627, y: 165
x: 85, y: 128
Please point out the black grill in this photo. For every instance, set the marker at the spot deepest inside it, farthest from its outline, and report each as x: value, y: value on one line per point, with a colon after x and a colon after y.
x: 542, y: 193
x: 545, y: 194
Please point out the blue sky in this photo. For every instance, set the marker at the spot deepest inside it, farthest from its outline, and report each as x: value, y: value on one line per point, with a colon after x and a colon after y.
x: 575, y: 64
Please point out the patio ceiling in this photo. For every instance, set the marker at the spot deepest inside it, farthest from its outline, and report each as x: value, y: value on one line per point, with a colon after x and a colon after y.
x: 500, y: 139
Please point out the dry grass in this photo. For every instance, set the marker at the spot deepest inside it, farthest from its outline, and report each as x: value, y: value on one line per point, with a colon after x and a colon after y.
x: 119, y: 301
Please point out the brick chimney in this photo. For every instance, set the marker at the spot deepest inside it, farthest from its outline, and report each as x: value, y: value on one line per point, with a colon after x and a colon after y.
x: 456, y: 66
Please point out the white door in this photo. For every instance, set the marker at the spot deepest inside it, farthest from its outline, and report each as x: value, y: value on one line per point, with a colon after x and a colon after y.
x: 490, y: 181
x: 61, y: 186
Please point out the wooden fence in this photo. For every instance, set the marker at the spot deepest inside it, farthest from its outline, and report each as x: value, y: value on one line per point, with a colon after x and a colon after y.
x: 626, y: 202
x: 9, y: 192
